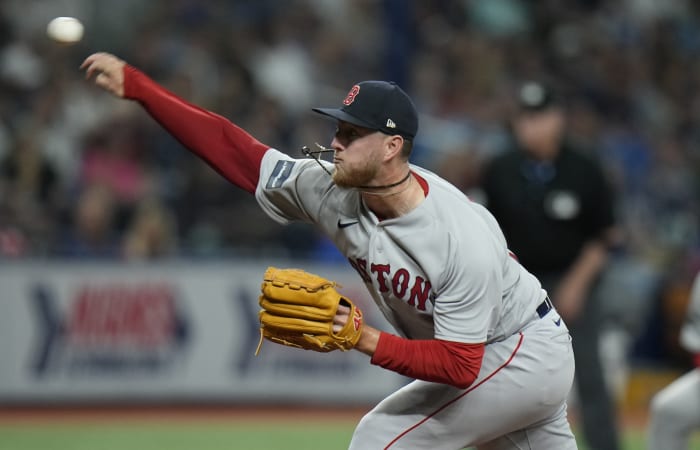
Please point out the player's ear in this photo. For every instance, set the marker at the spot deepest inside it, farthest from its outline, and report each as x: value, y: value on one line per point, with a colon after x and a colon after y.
x: 392, y: 146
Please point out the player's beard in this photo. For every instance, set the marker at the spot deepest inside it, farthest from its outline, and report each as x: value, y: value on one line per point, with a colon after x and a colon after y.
x: 360, y: 176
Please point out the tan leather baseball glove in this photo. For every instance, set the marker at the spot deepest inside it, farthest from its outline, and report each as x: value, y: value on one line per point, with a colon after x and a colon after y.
x: 298, y: 309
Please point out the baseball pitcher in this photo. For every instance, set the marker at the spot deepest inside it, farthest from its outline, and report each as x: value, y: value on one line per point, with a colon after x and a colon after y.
x: 491, y: 358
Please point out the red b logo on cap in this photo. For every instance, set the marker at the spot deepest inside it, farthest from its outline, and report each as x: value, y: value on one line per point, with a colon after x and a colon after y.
x: 351, y: 95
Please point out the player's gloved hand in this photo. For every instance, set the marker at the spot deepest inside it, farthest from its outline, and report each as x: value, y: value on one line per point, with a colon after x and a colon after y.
x: 298, y: 310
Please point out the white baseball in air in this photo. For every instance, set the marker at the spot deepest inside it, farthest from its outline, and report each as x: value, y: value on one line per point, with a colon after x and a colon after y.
x: 66, y: 30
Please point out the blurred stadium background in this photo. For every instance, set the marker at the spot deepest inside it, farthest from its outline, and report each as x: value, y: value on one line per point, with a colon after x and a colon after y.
x: 129, y: 269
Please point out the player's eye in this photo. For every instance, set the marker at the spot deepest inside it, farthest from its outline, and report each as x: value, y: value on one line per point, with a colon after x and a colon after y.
x: 348, y: 135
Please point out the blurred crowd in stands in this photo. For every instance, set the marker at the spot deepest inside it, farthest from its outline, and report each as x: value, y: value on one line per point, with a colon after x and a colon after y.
x: 84, y: 175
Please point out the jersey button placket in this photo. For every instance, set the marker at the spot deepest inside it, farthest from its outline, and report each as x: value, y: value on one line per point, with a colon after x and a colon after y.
x: 376, y: 257
x: 377, y: 243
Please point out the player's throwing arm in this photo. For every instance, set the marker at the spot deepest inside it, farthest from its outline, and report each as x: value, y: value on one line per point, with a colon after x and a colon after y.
x: 107, y: 70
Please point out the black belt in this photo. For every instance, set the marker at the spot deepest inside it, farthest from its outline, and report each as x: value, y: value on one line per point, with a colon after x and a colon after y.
x: 544, y: 307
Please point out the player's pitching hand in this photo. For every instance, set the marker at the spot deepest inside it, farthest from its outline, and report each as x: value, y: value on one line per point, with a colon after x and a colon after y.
x: 107, y: 70
x: 341, y: 318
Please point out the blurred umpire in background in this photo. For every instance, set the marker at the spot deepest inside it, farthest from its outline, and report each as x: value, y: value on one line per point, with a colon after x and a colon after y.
x: 556, y: 210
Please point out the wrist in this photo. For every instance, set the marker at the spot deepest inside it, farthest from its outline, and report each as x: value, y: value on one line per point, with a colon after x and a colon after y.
x: 368, y: 341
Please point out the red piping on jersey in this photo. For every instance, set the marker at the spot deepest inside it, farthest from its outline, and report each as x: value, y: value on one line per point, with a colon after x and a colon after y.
x: 421, y: 181
x: 471, y: 388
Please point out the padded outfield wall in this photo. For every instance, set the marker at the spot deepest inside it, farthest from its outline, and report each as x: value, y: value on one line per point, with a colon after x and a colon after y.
x: 179, y: 332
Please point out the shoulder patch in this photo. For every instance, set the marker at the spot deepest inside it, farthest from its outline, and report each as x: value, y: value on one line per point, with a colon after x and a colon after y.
x: 279, y: 175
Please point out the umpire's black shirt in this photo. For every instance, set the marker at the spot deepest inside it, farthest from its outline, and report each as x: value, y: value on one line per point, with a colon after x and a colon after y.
x: 548, y: 210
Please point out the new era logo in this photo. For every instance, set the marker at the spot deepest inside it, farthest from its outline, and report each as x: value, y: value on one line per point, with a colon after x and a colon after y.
x: 390, y: 123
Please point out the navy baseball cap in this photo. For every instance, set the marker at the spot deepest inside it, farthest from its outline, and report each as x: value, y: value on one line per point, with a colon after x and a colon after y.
x: 377, y: 105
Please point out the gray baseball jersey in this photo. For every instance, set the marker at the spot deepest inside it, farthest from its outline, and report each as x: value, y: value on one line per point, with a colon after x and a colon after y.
x: 441, y: 271
x: 690, y: 331
x: 437, y: 272
x: 675, y: 410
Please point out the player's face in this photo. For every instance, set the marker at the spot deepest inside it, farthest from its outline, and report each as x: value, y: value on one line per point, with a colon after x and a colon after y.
x: 358, y: 156
x: 536, y: 132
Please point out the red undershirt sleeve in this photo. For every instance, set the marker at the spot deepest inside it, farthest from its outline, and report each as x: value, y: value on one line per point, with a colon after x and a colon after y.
x: 231, y: 151
x: 434, y: 360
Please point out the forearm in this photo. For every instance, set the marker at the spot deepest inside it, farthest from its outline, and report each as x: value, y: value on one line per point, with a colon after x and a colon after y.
x: 230, y: 150
x: 432, y: 360
x: 588, y: 265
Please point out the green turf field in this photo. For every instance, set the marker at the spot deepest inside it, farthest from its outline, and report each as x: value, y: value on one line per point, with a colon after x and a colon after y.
x: 199, y: 436
x: 174, y: 437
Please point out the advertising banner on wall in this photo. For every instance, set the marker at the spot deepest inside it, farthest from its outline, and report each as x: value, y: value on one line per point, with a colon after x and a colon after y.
x: 184, y: 332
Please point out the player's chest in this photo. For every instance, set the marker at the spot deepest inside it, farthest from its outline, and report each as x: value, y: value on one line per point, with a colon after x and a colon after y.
x: 391, y: 264
x: 393, y: 257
